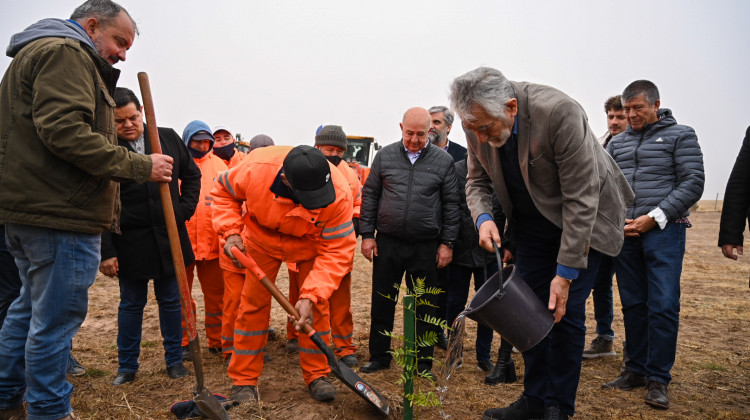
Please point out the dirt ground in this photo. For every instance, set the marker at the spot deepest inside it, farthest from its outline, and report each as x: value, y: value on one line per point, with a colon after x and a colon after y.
x: 711, y: 375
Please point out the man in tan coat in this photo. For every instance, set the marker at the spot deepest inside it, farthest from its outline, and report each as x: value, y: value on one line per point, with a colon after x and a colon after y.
x: 565, y: 201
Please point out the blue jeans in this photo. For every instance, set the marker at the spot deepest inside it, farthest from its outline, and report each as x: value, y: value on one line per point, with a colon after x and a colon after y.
x: 57, y: 268
x: 458, y: 293
x: 10, y: 281
x: 603, y: 301
x: 648, y: 276
x: 133, y: 294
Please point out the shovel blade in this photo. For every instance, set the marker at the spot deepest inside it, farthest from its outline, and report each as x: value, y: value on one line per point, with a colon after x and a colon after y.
x: 210, y: 406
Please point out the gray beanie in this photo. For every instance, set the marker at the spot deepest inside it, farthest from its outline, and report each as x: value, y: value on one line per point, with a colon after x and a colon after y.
x: 331, y: 135
x: 261, y: 140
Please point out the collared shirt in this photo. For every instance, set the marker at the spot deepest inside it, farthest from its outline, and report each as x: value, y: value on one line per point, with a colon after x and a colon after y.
x: 414, y: 156
x: 138, y: 145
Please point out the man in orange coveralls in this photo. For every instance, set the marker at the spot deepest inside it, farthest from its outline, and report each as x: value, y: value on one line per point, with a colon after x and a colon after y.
x: 199, y: 141
x: 332, y: 141
x: 234, y: 277
x: 299, y: 209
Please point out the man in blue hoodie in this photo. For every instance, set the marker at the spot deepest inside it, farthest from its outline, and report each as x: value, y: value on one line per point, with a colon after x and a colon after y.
x: 59, y: 159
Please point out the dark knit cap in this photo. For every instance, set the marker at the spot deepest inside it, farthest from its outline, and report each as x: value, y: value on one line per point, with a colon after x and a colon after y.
x: 331, y: 135
x: 261, y: 140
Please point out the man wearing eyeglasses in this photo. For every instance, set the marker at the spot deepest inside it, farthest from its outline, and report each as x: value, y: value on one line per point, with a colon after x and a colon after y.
x: 565, y: 201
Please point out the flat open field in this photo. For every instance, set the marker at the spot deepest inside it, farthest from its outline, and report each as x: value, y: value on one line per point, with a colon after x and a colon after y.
x: 711, y: 375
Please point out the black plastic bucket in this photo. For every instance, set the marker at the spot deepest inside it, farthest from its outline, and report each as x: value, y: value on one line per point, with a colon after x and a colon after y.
x: 511, y: 308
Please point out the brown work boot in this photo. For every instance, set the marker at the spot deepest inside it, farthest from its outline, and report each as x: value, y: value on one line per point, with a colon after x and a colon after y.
x: 70, y: 416
x: 600, y: 347
x: 322, y: 389
x: 15, y: 413
x: 243, y: 393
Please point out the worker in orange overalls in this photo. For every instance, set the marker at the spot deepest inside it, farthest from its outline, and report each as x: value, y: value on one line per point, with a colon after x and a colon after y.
x: 197, y: 136
x: 234, y: 277
x: 331, y: 141
x: 299, y: 209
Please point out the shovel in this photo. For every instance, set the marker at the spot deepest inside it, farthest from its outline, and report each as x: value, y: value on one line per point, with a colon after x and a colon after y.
x: 341, y: 370
x: 206, y: 401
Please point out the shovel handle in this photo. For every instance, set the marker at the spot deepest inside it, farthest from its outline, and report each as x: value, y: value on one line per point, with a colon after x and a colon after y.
x: 251, y: 265
x: 166, y: 202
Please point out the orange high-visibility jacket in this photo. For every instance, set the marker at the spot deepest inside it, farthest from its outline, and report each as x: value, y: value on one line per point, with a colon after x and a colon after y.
x: 282, y: 229
x: 235, y: 159
x: 354, y: 184
x: 199, y: 227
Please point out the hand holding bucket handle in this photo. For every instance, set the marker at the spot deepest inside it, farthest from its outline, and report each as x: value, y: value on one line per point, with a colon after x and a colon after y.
x: 501, y: 288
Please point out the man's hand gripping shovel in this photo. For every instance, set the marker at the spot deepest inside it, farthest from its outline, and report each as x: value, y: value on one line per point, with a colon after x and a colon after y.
x: 341, y: 370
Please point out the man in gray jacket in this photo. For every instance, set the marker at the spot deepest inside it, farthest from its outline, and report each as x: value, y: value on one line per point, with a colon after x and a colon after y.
x: 59, y: 159
x: 565, y: 202
x: 411, y: 200
x: 664, y: 165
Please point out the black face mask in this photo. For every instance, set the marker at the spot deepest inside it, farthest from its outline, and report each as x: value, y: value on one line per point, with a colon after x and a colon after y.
x: 225, y: 152
x: 335, y: 159
x: 197, y: 154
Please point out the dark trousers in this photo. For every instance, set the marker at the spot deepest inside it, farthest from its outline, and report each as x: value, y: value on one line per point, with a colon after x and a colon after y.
x: 10, y: 280
x: 603, y: 301
x: 444, y: 280
x: 553, y: 367
x: 133, y: 294
x: 458, y: 294
x: 395, y: 257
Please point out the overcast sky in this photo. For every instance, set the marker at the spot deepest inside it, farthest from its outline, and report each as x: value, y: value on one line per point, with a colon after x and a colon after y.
x: 284, y: 67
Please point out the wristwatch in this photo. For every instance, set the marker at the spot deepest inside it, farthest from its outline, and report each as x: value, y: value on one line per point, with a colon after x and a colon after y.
x: 449, y: 244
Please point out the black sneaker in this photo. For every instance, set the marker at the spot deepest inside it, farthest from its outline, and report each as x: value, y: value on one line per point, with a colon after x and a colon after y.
x: 524, y: 408
x: 626, y: 381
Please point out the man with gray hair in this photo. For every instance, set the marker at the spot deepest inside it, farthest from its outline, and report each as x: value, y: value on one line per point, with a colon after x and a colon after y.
x: 565, y: 202
x: 441, y: 122
x: 58, y: 161
x: 664, y: 164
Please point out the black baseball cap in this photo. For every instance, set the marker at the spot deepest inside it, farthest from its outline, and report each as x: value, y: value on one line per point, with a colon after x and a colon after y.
x: 309, y: 174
